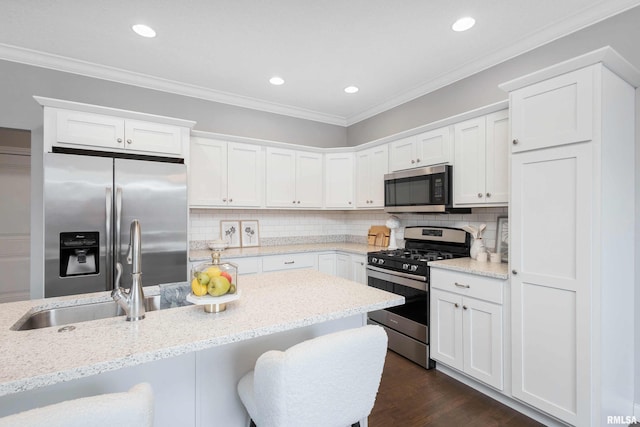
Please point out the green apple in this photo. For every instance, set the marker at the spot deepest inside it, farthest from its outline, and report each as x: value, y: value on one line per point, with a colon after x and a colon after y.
x: 203, y: 278
x: 218, y: 285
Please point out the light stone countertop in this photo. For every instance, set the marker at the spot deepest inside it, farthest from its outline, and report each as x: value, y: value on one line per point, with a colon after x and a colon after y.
x: 354, y: 248
x: 468, y: 265
x: 269, y: 303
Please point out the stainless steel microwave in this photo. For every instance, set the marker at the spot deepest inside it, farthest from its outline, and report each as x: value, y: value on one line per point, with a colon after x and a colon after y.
x: 428, y: 189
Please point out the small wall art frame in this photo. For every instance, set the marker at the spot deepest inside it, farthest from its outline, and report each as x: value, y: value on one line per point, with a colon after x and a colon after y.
x: 502, y: 238
x: 250, y: 233
x: 230, y: 233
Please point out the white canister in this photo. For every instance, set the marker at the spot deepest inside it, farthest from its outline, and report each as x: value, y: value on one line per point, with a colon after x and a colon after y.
x: 481, y: 257
x: 495, y: 257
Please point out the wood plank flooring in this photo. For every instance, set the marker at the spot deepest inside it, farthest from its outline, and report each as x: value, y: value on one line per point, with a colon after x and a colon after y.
x: 410, y: 396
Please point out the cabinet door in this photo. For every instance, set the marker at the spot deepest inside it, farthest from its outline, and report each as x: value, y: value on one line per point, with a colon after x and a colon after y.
x: 339, y: 176
x: 402, y: 154
x: 497, y: 160
x: 550, y: 246
x: 309, y: 180
x: 363, y: 180
x: 379, y: 166
x: 553, y: 112
x: 245, y: 177
x: 470, y: 158
x: 93, y: 130
x: 434, y: 147
x: 207, y: 172
x: 343, y: 266
x: 152, y: 137
x: 359, y: 269
x: 281, y: 178
x: 446, y: 328
x: 482, y: 329
x: 327, y: 263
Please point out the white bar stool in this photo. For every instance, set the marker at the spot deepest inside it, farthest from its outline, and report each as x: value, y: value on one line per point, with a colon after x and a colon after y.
x: 327, y: 381
x: 129, y: 409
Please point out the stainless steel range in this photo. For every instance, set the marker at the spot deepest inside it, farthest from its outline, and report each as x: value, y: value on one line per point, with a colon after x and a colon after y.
x: 405, y: 272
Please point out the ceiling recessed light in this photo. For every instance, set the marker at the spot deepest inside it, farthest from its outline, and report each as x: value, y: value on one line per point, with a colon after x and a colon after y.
x: 463, y: 24
x: 351, y: 89
x: 143, y: 30
x: 277, y: 81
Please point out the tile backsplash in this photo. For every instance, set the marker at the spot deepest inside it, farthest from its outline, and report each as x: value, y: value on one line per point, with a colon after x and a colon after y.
x: 277, y: 227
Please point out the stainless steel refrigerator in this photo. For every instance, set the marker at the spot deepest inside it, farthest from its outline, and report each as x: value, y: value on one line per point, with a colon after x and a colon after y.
x: 89, y: 203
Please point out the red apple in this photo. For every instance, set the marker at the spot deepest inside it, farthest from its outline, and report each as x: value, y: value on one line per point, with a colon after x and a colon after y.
x: 227, y: 275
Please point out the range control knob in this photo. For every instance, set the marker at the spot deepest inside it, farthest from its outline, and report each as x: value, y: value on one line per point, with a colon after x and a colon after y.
x: 414, y: 268
x: 380, y: 261
x: 374, y: 260
x: 405, y: 266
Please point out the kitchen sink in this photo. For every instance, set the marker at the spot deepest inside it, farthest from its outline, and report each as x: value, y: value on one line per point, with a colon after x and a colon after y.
x: 79, y: 313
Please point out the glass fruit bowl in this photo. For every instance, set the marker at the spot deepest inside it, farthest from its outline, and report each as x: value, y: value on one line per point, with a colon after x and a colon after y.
x: 214, y: 284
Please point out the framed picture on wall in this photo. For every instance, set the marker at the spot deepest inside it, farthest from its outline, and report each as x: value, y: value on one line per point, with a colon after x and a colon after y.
x: 230, y: 233
x: 250, y: 234
x: 502, y: 238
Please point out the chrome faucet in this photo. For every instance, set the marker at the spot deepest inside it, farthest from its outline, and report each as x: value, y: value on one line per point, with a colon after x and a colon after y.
x: 132, y: 302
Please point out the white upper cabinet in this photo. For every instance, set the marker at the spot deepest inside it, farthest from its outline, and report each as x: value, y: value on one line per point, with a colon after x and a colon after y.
x: 339, y: 178
x: 224, y: 174
x: 293, y: 178
x: 97, y: 131
x: 481, y: 169
x: 371, y: 165
x: 554, y: 112
x: 426, y: 149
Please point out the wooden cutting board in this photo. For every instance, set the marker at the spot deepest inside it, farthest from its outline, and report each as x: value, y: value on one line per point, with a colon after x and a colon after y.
x: 378, y: 235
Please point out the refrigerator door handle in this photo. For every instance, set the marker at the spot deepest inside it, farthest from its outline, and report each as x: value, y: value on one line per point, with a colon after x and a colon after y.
x: 118, y: 221
x: 109, y: 248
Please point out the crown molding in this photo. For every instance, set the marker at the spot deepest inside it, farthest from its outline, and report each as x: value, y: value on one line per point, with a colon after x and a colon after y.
x: 103, y: 72
x: 552, y: 32
x: 529, y: 42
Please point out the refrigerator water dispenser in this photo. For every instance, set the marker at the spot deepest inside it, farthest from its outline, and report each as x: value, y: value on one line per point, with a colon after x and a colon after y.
x: 79, y: 253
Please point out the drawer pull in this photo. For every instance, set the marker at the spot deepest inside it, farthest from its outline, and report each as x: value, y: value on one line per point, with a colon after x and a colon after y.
x: 456, y: 305
x: 460, y: 285
x: 289, y: 262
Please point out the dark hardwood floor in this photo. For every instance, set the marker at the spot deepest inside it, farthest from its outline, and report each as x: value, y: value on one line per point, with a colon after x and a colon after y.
x: 410, y: 396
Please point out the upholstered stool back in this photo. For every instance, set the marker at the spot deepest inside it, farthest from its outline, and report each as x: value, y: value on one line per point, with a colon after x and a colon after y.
x: 327, y: 381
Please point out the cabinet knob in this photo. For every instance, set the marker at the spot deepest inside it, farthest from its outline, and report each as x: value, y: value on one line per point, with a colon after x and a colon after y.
x: 119, y: 140
x: 417, y: 160
x: 488, y: 194
x: 224, y: 200
x: 456, y: 305
x: 479, y: 195
x: 514, y: 272
x: 129, y: 141
x: 464, y: 307
x: 349, y: 202
x: 515, y: 142
x: 298, y: 201
x: 230, y: 200
x: 294, y: 202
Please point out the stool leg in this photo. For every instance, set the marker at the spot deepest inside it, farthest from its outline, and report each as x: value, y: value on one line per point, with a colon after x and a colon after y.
x: 356, y: 424
x: 252, y: 424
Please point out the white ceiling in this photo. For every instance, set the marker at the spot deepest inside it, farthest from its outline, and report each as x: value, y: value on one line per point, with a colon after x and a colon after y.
x: 226, y: 51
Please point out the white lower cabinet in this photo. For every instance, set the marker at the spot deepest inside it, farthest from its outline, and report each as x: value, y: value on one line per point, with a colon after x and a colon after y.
x: 467, y: 322
x: 288, y: 262
x: 348, y: 266
x: 359, y: 268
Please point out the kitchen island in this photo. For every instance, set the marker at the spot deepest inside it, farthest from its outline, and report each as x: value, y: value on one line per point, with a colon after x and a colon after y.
x: 191, y: 358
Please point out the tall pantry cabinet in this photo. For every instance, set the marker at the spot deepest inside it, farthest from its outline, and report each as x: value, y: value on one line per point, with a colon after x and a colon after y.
x: 572, y: 238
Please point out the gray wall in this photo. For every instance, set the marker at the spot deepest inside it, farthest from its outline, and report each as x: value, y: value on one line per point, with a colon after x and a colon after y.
x: 621, y: 32
x: 19, y: 110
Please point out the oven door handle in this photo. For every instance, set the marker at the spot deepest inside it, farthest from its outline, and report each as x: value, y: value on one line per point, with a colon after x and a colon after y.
x: 411, y: 280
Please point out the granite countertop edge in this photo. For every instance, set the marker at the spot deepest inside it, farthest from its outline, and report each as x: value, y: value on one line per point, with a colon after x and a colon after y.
x: 471, y: 266
x: 353, y: 248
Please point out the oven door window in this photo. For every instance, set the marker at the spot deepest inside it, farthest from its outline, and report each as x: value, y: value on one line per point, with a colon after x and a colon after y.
x: 416, y: 306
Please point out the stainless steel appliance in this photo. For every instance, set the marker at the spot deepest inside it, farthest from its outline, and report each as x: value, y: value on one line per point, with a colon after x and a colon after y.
x: 406, y: 272
x: 428, y: 189
x: 89, y: 202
